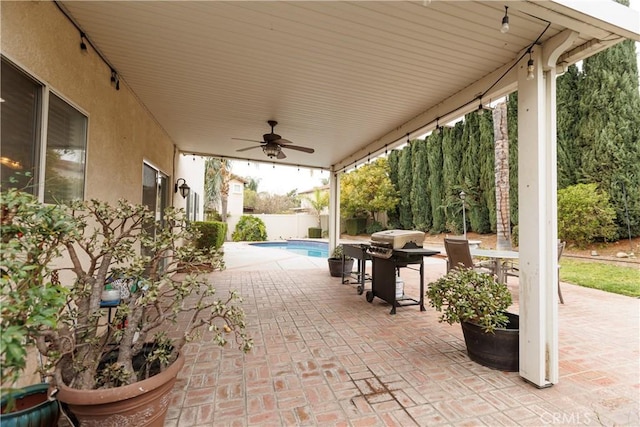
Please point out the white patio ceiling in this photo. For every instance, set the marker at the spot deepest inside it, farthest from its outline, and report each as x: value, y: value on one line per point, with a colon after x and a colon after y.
x: 344, y: 78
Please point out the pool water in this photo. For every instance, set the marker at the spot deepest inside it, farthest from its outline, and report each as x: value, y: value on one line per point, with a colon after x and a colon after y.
x: 300, y: 247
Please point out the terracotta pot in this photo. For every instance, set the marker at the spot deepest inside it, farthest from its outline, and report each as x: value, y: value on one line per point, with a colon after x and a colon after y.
x: 144, y: 403
x: 32, y: 408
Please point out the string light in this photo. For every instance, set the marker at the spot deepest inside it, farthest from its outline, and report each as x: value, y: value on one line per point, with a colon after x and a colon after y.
x: 530, y: 67
x: 83, y: 45
x: 115, y: 80
x: 438, y: 129
x: 505, y: 21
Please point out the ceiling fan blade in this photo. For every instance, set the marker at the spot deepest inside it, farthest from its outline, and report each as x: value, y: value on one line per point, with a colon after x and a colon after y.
x: 249, y: 148
x: 250, y: 140
x: 299, y: 148
x: 281, y: 155
x: 282, y: 141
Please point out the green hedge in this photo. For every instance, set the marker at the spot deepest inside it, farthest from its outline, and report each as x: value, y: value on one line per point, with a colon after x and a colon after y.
x: 212, y: 233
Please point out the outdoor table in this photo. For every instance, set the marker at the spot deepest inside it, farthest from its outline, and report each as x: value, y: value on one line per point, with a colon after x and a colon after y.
x: 498, y: 257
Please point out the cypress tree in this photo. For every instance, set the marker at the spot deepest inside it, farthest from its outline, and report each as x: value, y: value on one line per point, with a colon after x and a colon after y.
x: 471, y: 171
x: 610, y: 131
x: 453, y: 147
x: 404, y: 184
x: 512, y: 126
x: 393, y: 215
x: 435, y: 182
x: 486, y: 194
x: 420, y: 202
x: 567, y: 104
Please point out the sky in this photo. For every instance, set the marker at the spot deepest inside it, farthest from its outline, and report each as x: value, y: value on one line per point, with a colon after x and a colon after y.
x: 277, y: 179
x: 282, y: 179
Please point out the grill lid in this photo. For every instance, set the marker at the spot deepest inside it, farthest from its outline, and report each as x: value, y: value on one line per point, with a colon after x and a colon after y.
x: 397, y: 239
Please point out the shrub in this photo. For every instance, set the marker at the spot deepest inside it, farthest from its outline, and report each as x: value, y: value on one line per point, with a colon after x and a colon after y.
x: 249, y: 228
x: 212, y: 234
x: 466, y: 295
x: 585, y: 215
x: 515, y: 236
x: 374, y: 227
x: 213, y: 215
x: 337, y: 253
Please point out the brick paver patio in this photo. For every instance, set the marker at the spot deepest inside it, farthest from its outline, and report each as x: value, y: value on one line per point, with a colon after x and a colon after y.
x: 324, y: 356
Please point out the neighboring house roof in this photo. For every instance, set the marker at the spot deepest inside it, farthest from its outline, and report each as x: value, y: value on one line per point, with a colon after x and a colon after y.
x: 313, y: 190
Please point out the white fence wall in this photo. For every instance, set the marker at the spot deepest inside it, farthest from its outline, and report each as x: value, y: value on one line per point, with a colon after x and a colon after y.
x: 285, y: 226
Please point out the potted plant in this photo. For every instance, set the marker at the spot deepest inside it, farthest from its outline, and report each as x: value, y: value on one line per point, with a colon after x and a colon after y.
x: 336, y: 266
x: 479, y: 302
x: 32, y: 234
x: 97, y: 361
x: 319, y: 201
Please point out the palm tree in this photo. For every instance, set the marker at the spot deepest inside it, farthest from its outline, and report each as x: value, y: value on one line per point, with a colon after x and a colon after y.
x: 217, y: 174
x: 319, y: 201
x: 503, y: 223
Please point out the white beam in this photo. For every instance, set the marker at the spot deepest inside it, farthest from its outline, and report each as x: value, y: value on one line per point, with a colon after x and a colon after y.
x: 334, y: 210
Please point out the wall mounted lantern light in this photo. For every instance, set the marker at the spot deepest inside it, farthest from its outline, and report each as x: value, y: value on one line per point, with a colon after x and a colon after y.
x: 184, y: 188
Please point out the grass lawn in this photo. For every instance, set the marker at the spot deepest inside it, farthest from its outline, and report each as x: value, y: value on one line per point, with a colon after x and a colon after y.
x: 609, y: 278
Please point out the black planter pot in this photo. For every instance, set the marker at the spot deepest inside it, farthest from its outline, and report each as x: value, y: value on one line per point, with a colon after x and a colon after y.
x: 499, y: 350
x: 335, y: 267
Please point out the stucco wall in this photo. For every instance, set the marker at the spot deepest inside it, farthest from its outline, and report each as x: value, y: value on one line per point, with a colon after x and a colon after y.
x: 121, y: 134
x: 38, y: 38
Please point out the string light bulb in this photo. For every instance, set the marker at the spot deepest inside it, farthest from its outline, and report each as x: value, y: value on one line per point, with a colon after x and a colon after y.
x: 115, y: 79
x: 438, y: 128
x: 83, y: 45
x: 505, y: 21
x: 480, y: 108
x: 530, y: 68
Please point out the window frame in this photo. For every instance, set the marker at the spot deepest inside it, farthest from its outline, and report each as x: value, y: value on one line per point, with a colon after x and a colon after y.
x: 42, y: 123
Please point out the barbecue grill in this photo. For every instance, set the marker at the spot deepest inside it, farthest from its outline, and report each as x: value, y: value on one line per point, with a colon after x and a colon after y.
x: 391, y: 250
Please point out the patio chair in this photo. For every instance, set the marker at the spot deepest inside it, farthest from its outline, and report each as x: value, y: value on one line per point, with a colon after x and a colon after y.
x: 512, y: 269
x: 561, y: 246
x: 459, y: 254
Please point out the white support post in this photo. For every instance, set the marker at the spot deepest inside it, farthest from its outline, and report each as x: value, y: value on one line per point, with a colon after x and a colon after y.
x: 537, y: 224
x: 334, y: 210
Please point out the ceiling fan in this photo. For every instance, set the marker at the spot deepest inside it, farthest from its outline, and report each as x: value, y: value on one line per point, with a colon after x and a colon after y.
x: 272, y: 144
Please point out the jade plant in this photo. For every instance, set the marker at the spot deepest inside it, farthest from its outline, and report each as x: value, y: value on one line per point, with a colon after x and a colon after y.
x: 32, y: 236
x: 466, y: 295
x: 104, y: 245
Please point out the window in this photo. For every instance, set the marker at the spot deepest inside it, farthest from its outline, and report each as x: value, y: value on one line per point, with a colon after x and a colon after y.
x: 237, y: 188
x: 49, y: 162
x: 193, y: 206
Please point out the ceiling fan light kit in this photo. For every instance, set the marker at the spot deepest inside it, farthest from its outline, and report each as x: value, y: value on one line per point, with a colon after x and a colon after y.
x: 272, y: 144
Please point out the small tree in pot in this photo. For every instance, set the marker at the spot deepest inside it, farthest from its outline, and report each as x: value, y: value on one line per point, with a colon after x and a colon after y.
x: 85, y: 352
x: 479, y: 302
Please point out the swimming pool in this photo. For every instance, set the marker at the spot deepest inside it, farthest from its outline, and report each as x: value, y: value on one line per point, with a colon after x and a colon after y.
x: 300, y: 247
